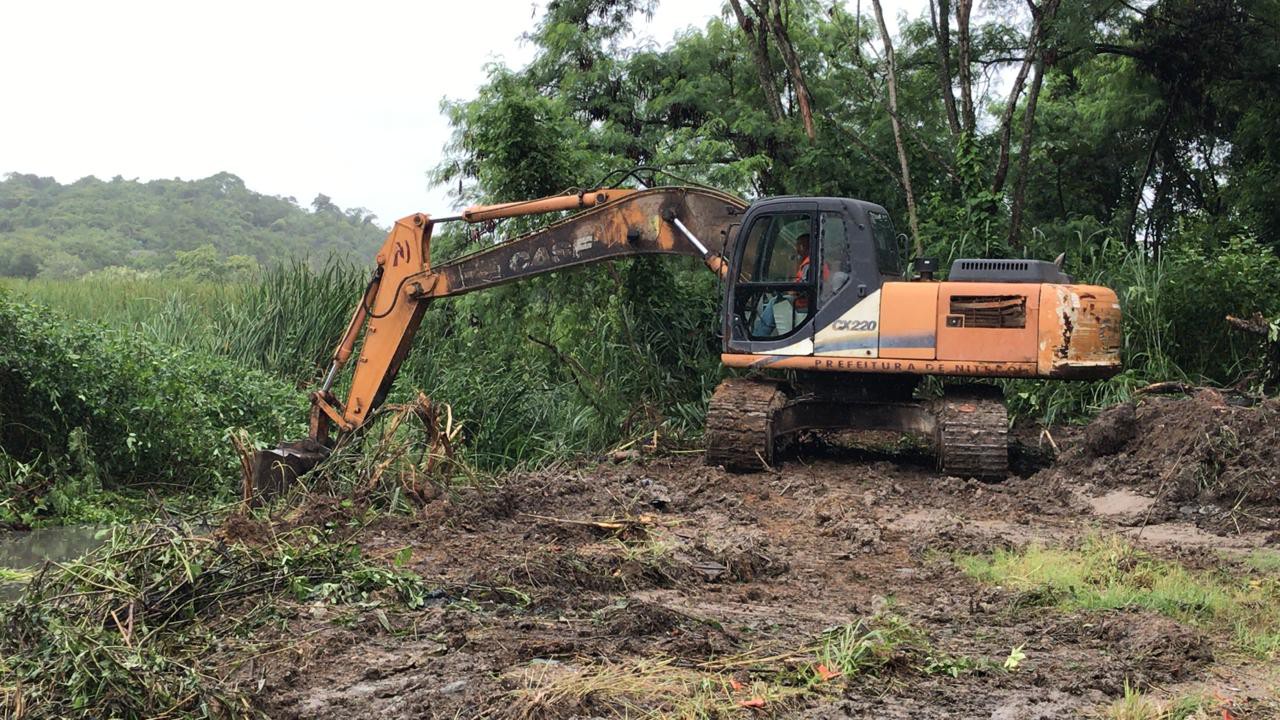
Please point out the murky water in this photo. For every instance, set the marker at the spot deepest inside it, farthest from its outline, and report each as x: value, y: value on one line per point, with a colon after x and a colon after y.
x: 28, y: 549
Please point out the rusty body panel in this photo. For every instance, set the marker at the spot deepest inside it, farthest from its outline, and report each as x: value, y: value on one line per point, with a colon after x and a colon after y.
x: 1080, y: 332
x: 959, y: 339
x: 979, y: 329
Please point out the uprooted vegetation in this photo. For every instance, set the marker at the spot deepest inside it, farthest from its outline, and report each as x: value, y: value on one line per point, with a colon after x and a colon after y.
x: 156, y: 622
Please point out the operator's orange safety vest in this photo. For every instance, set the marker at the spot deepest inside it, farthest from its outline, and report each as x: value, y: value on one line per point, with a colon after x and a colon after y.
x: 801, y: 303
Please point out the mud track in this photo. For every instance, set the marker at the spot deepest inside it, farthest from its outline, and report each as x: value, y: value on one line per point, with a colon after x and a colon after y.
x: 555, y: 580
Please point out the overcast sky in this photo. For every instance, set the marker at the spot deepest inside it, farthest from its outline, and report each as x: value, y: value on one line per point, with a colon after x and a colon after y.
x: 297, y: 98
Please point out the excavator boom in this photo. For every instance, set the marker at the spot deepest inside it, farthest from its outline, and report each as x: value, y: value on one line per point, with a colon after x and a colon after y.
x: 611, y: 224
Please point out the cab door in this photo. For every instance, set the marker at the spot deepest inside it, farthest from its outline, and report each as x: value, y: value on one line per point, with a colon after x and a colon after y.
x: 773, y: 294
x: 853, y: 269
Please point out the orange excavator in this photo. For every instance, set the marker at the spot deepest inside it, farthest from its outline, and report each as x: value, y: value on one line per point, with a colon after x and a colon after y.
x: 818, y: 310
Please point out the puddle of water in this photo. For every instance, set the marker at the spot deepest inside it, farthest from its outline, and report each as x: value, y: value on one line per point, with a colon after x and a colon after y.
x: 1120, y: 502
x: 1187, y: 534
x: 27, y: 549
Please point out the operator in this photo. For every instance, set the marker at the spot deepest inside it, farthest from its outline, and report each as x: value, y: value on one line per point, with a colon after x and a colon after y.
x: 783, y: 311
x: 801, y: 301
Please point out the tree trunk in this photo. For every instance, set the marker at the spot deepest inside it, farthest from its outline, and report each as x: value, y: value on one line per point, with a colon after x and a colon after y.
x: 772, y: 14
x: 1024, y: 156
x: 941, y: 18
x: 897, y: 129
x: 1131, y: 230
x: 968, y: 117
x: 760, y: 52
x: 1011, y: 105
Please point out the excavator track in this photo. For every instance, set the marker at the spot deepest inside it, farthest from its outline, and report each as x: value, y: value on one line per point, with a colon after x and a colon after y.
x: 973, y: 432
x: 740, y: 423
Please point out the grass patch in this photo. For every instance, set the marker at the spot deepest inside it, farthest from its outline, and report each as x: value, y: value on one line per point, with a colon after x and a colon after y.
x: 1137, y: 706
x: 1264, y: 561
x: 764, y: 679
x: 1109, y: 573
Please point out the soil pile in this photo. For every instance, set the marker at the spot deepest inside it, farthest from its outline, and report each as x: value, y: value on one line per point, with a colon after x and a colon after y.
x: 1203, y: 458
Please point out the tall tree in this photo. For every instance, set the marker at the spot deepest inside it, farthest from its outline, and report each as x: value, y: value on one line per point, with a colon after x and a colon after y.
x: 940, y: 19
x: 964, y: 43
x: 1039, y: 16
x: 903, y: 162
x: 759, y: 40
x: 772, y: 10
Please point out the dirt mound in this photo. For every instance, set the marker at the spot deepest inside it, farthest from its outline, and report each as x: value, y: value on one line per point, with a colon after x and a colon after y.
x: 1203, y: 458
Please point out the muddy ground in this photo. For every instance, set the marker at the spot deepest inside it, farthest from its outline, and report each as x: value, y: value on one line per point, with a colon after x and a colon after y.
x: 608, y: 589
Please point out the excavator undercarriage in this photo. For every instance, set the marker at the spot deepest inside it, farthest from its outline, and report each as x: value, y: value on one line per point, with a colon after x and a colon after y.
x: 750, y: 419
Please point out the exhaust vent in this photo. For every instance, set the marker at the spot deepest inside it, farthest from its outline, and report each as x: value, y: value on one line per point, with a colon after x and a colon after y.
x: 1017, y: 271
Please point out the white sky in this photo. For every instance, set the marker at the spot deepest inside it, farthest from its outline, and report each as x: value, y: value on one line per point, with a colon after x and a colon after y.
x: 297, y: 98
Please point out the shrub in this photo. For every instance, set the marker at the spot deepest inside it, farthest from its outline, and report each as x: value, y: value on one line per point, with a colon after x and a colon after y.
x: 125, y: 410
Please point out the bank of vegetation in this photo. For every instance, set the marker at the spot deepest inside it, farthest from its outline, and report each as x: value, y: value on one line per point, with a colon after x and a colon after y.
x: 212, y: 229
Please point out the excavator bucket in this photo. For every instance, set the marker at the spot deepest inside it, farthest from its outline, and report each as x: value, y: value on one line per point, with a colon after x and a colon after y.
x: 270, y: 473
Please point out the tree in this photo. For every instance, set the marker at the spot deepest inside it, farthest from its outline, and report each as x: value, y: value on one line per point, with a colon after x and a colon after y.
x: 892, y: 82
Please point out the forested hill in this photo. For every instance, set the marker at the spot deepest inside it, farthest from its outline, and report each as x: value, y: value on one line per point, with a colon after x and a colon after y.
x: 215, y: 225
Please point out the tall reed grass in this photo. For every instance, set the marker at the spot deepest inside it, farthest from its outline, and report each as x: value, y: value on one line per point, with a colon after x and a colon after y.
x: 285, y: 322
x: 582, y: 361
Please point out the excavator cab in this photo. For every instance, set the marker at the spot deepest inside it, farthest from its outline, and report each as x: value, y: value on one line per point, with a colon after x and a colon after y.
x: 777, y: 298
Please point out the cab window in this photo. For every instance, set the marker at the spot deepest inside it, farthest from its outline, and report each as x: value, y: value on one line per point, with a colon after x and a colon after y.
x: 837, y: 266
x: 775, y: 293
x: 771, y: 253
x: 886, y: 240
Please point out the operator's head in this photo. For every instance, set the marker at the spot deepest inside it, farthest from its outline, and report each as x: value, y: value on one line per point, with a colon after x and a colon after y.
x: 802, y: 245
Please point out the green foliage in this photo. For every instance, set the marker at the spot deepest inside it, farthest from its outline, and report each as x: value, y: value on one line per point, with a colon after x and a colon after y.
x: 205, y: 265
x: 1202, y: 287
x: 209, y: 229
x: 141, y: 626
x: 579, y: 361
x: 284, y: 320
x: 88, y: 408
x: 858, y: 648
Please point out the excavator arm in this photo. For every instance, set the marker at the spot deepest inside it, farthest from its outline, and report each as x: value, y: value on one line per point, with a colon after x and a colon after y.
x: 610, y: 224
